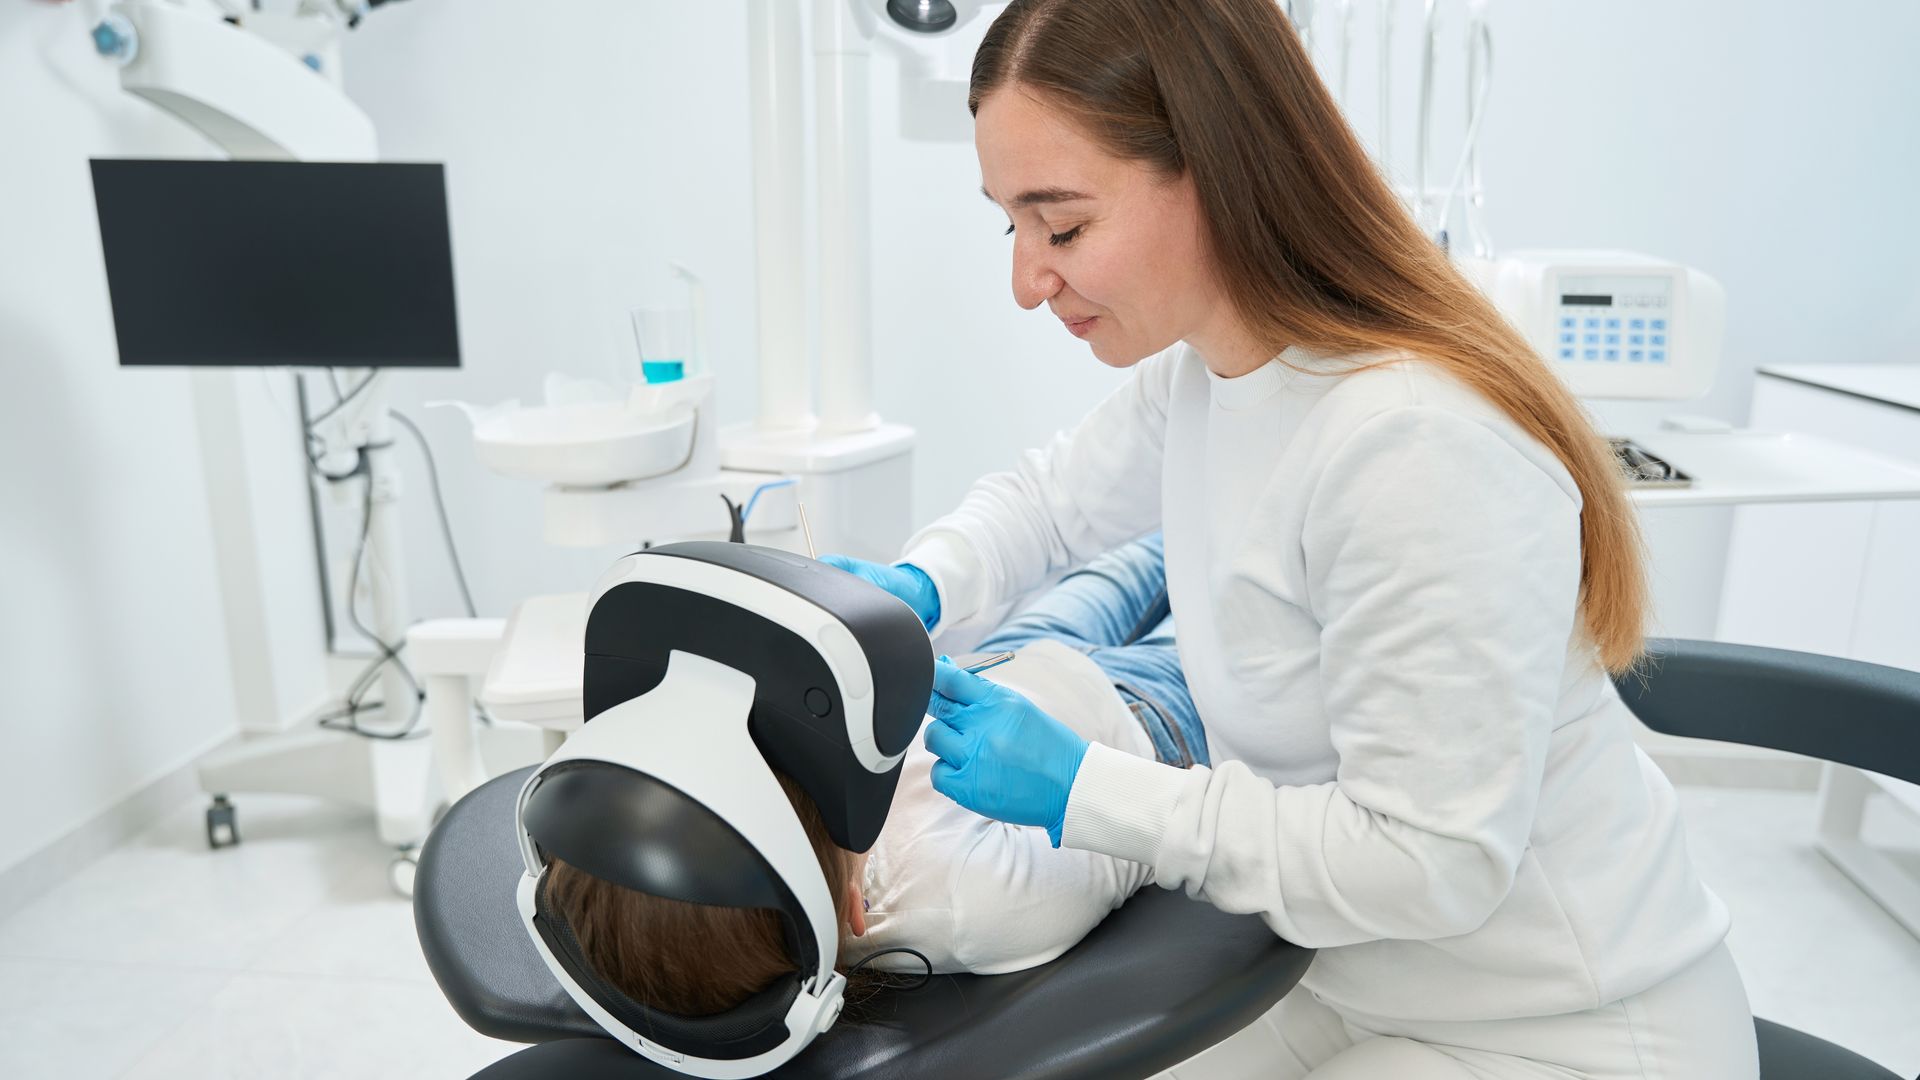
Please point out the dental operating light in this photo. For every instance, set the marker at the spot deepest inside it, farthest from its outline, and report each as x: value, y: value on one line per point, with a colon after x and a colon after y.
x: 928, y: 18
x: 922, y: 16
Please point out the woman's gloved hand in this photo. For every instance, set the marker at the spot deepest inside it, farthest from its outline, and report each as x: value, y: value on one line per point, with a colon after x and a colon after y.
x: 1000, y: 756
x: 906, y: 581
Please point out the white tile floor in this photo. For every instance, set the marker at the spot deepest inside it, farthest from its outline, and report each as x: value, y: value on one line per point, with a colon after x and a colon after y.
x: 289, y: 956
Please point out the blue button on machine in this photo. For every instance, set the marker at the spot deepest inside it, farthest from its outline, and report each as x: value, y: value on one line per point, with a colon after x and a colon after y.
x: 1658, y: 339
x: 1659, y: 324
x: 1593, y: 354
x: 1636, y: 355
x: 1566, y: 354
x: 1613, y: 324
x: 1636, y: 324
x: 1569, y: 323
x: 1566, y: 339
x: 1613, y: 339
x: 1658, y: 356
x: 1613, y: 354
x: 1593, y: 324
x: 1636, y: 339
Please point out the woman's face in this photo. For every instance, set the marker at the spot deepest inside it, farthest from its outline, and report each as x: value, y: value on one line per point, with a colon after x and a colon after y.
x: 1115, y: 251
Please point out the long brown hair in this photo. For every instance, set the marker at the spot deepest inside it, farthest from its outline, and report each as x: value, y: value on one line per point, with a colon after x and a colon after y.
x: 688, y: 959
x: 1308, y: 240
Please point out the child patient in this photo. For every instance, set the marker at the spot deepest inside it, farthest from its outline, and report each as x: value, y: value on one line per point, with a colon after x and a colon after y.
x: 971, y: 894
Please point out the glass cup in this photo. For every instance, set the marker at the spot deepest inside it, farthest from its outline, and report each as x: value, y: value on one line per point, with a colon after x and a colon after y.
x: 665, y: 338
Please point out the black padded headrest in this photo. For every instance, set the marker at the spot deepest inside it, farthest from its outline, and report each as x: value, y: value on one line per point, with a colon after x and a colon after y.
x: 1160, y: 980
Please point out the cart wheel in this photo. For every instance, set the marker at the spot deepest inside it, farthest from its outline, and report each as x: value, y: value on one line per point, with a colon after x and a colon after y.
x: 221, y: 828
x: 401, y: 871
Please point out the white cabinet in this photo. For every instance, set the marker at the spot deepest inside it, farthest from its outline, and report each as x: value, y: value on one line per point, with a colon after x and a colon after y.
x: 1838, y: 578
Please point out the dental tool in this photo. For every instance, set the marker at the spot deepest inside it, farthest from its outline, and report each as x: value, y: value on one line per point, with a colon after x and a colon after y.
x: 993, y: 661
x: 807, y: 529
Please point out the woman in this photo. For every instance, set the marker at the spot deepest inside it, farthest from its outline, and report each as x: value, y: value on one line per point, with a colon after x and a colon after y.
x: 1402, y: 563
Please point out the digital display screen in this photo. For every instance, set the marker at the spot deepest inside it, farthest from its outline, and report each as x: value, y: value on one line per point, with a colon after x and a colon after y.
x: 1586, y: 300
x: 277, y: 263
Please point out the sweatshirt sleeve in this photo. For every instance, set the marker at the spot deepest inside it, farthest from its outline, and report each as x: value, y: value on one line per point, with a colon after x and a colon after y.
x: 1088, y: 490
x: 1443, y: 566
x: 1019, y: 903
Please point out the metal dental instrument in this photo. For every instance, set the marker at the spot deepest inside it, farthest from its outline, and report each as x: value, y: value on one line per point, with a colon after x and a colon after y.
x: 807, y: 529
x: 1300, y: 13
x: 1345, y: 9
x: 1423, y: 130
x: 1469, y: 155
x: 995, y: 660
x: 1386, y: 83
x: 1479, y: 77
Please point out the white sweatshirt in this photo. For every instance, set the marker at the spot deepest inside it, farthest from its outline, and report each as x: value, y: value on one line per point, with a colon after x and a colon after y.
x: 979, y: 895
x: 1420, y: 768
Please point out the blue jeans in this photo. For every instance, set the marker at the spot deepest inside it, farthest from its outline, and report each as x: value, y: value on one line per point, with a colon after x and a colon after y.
x: 1115, y: 611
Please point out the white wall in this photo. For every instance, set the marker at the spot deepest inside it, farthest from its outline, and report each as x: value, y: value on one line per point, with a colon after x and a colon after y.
x: 1772, y: 145
x: 585, y: 149
x: 585, y: 153
x: 1774, y: 151
x: 115, y: 655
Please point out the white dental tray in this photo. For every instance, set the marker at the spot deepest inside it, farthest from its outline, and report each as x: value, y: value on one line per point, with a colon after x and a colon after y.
x: 591, y: 444
x: 535, y: 677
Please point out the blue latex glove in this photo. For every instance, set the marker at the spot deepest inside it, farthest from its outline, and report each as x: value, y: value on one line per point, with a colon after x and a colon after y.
x: 906, y: 581
x: 1000, y: 756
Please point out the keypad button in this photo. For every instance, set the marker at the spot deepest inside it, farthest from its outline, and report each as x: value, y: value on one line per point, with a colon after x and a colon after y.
x: 1658, y: 356
x: 1566, y: 354
x: 1637, y: 324
x: 1613, y: 339
x: 1593, y: 354
x: 1613, y: 354
x: 1593, y: 324
x: 1613, y: 324
x: 1593, y: 339
x: 1636, y: 339
x: 1569, y: 323
x: 1658, y: 324
x: 1566, y: 339
x: 1636, y: 355
x: 1658, y: 339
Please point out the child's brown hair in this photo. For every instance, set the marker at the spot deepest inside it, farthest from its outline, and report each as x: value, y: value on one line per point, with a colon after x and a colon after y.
x: 689, y: 959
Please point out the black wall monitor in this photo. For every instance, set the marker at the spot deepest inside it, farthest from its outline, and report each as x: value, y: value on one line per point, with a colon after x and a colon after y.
x: 278, y: 263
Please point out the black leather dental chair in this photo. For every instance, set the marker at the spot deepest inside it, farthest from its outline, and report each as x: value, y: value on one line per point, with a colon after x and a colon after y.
x: 1843, y: 711
x: 1163, y: 978
x: 1160, y: 980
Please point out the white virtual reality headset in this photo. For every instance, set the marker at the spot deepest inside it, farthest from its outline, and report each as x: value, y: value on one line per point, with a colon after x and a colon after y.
x: 709, y: 666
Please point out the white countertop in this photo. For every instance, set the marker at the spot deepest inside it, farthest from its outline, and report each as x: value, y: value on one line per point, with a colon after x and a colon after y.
x: 1747, y: 466
x: 1895, y: 384
x: 535, y: 677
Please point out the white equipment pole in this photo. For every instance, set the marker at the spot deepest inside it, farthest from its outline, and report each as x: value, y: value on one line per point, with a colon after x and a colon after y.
x: 384, y: 565
x: 774, y: 62
x: 841, y: 79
